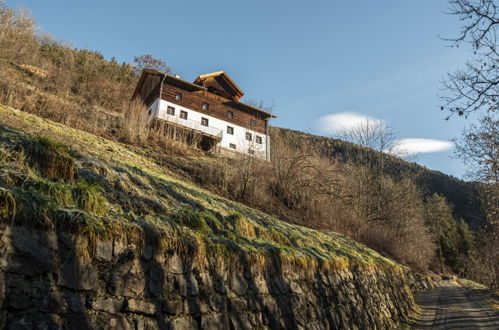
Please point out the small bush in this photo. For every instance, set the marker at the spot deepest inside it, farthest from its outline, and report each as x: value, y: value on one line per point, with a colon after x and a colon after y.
x: 242, y: 225
x: 90, y: 198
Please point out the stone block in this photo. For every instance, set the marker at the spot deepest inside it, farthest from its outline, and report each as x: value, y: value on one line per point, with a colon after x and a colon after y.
x: 218, y: 303
x: 239, y: 284
x: 141, y: 306
x: 240, y: 321
x: 18, y: 292
x: 281, y: 285
x: 77, y: 274
x: 215, y: 322
x: 176, y: 265
x: 129, y: 279
x: 155, y: 279
x: 295, y: 287
x: 187, y: 285
x: 121, y: 323
x: 28, y: 253
x: 54, y: 302
x: 104, y: 250
x: 173, y: 307
x: 238, y: 304
x: 205, y: 283
x: 196, y: 305
x: 108, y: 305
x: 184, y: 323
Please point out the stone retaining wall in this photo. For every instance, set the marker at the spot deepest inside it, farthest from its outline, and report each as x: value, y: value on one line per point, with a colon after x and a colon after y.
x: 46, y: 284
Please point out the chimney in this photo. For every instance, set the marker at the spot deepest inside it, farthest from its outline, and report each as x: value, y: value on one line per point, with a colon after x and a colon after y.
x: 176, y: 75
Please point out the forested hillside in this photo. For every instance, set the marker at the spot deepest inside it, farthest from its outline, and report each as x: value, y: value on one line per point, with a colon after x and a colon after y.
x: 462, y: 195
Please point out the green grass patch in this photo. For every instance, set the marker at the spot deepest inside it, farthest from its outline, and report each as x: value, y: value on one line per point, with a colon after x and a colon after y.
x: 90, y: 198
x: 59, y: 193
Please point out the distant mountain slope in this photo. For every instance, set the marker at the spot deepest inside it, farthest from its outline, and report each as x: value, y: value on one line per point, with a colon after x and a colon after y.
x: 461, y: 194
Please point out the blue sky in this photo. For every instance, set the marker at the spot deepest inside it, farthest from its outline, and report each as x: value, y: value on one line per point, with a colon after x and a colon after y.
x: 312, y: 59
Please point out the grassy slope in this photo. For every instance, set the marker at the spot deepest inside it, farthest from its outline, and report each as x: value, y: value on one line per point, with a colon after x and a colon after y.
x: 131, y: 196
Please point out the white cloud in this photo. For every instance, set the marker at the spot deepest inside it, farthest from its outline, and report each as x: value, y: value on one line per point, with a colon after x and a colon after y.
x: 416, y: 146
x: 337, y: 122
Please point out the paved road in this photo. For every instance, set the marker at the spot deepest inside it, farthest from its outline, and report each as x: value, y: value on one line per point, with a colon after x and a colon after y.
x: 454, y: 307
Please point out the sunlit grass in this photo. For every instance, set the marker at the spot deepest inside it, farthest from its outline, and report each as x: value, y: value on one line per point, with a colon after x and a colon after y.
x: 155, y: 208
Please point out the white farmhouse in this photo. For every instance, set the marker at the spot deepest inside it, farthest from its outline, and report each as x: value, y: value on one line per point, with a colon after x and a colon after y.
x: 209, y: 106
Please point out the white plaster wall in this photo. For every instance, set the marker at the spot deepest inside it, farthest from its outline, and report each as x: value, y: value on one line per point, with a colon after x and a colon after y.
x: 239, y: 137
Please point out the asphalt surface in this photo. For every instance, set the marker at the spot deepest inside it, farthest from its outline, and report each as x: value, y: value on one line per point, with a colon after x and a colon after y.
x: 454, y: 307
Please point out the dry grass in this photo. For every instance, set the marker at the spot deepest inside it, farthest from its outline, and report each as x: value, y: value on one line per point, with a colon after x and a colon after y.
x: 52, y: 159
x: 197, y: 224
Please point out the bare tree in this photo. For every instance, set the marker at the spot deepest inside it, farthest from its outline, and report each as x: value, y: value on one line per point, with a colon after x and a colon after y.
x: 260, y: 105
x: 479, y: 149
x: 147, y: 61
x: 476, y: 87
x: 371, y: 133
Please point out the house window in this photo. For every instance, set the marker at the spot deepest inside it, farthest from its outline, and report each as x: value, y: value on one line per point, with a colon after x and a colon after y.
x: 251, y: 151
x: 232, y: 146
x: 230, y: 130
x: 170, y: 111
x: 183, y: 114
x: 253, y: 122
x: 204, y: 121
x: 150, y: 112
x: 178, y: 96
x: 205, y: 106
x: 258, y: 139
x: 249, y: 137
x: 230, y: 114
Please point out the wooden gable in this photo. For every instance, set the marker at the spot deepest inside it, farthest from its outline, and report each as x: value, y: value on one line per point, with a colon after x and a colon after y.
x: 220, y: 83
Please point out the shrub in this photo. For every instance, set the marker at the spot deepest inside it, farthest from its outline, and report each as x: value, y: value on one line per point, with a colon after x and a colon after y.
x: 90, y: 198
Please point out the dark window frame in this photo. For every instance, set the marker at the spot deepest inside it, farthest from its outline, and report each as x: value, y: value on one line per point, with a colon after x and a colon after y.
x: 232, y: 146
x: 170, y: 110
x: 230, y: 130
x: 249, y: 136
x: 178, y: 96
x: 183, y: 114
x: 205, y: 121
x: 205, y: 106
x: 230, y: 114
x: 258, y: 139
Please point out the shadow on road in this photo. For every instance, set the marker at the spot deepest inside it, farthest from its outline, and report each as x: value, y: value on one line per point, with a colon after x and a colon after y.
x: 454, y: 307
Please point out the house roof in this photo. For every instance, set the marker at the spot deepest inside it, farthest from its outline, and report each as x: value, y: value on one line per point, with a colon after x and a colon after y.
x: 236, y: 91
x: 172, y: 79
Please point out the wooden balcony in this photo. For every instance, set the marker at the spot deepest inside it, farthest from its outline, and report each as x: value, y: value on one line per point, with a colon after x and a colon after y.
x: 191, y: 124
